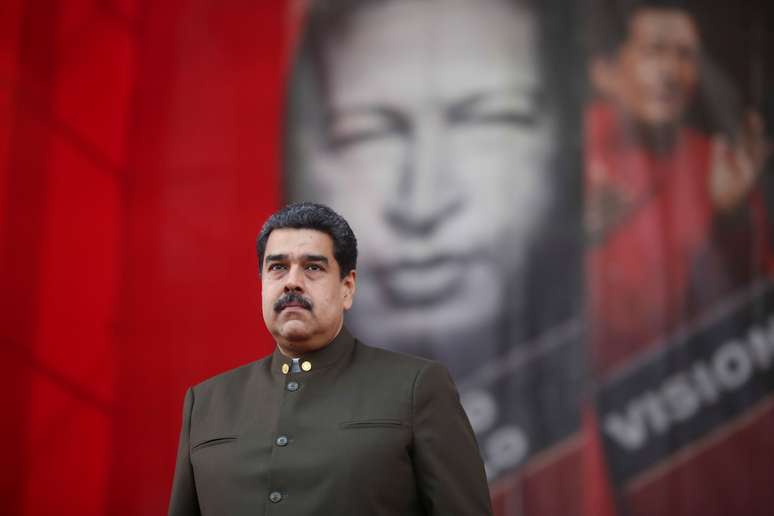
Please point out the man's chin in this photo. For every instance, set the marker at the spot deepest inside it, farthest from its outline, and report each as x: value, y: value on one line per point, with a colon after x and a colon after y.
x: 295, y: 330
x: 661, y: 116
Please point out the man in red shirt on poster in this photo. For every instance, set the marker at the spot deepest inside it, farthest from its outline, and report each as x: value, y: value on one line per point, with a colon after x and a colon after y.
x: 655, y: 187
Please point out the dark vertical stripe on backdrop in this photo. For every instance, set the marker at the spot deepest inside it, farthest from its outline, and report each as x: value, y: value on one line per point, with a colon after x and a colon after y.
x: 25, y: 219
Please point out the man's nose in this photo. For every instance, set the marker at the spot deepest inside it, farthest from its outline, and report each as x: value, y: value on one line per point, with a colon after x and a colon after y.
x: 671, y: 62
x: 428, y: 191
x: 294, y: 281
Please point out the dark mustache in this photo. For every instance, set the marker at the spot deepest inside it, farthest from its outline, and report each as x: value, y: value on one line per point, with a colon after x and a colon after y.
x: 292, y: 298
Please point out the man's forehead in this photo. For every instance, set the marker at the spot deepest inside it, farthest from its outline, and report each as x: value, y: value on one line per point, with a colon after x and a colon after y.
x: 666, y: 24
x: 400, y: 50
x: 297, y: 242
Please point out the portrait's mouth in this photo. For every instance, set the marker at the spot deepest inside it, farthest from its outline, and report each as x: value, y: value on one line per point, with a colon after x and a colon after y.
x: 669, y: 96
x: 415, y: 283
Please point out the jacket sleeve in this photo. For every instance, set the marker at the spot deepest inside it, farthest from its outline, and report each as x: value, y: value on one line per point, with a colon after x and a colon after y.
x: 447, y: 462
x: 183, y: 501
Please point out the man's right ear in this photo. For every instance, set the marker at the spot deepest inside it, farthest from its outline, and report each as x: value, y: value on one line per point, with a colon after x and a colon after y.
x: 350, y: 286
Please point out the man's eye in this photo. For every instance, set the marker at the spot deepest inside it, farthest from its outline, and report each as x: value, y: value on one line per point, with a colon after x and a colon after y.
x: 347, y: 129
x: 276, y: 267
x: 656, y: 49
x: 504, y: 117
x: 510, y: 109
x: 314, y: 267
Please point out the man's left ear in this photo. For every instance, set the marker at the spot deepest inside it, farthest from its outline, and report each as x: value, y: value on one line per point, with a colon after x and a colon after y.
x: 604, y: 76
x: 348, y: 282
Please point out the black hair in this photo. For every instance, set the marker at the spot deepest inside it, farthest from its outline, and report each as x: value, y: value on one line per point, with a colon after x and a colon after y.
x: 309, y: 215
x: 610, y: 21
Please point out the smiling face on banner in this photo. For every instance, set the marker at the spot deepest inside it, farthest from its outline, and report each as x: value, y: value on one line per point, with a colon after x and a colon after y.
x: 653, y: 77
x: 434, y: 143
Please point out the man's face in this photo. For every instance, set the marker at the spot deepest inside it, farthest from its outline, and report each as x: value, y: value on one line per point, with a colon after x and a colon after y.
x: 303, y: 296
x: 436, y: 151
x: 656, y: 71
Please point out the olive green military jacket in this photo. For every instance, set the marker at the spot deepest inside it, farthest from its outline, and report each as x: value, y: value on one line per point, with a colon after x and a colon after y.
x: 362, y: 432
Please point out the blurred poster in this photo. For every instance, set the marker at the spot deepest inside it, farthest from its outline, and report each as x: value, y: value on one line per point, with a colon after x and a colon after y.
x: 448, y: 133
x: 678, y: 220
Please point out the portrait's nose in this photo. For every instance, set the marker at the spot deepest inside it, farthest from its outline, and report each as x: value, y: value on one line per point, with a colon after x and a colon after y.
x: 428, y: 191
x: 669, y: 67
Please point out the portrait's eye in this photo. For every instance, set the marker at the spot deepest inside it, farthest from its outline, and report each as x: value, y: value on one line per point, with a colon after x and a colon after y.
x: 276, y: 267
x: 687, y: 53
x: 314, y: 267
x: 512, y: 109
x: 656, y: 49
x: 349, y: 128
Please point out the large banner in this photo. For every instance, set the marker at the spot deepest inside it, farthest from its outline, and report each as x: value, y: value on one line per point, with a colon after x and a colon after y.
x: 567, y: 204
x: 678, y: 215
x: 448, y: 133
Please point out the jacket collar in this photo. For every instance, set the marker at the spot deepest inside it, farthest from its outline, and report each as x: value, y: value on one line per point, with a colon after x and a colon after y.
x: 326, y: 356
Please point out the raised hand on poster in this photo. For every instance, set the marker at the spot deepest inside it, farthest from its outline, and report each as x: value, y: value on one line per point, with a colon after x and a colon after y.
x: 607, y: 204
x: 736, y: 164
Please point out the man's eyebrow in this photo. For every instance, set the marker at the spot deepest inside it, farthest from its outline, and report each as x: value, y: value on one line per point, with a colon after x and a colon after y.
x: 315, y: 258
x: 389, y: 114
x: 533, y: 96
x: 276, y: 257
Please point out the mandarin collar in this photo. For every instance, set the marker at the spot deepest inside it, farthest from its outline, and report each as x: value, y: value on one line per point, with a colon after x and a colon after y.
x: 326, y: 356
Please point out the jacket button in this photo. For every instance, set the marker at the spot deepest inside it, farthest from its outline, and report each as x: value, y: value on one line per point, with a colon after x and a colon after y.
x: 282, y: 440
x: 275, y: 496
x: 293, y: 386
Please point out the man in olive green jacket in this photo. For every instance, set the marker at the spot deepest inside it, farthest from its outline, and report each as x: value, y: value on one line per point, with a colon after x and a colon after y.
x: 325, y: 425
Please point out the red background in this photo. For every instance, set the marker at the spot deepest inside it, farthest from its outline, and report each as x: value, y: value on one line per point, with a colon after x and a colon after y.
x: 139, y: 146
x: 139, y: 154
